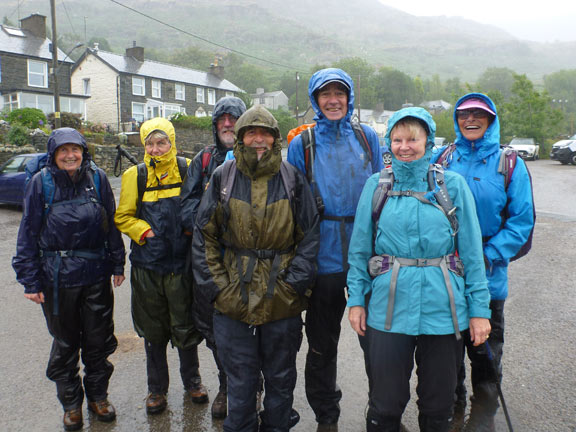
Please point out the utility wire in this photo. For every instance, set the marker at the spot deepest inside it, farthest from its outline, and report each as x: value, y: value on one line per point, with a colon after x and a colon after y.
x: 69, y: 20
x: 203, y: 39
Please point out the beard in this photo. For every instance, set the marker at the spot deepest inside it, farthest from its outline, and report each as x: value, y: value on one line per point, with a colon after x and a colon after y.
x: 227, y: 138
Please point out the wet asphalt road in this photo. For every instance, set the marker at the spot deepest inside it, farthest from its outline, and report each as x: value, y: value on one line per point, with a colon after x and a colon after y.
x: 540, y: 351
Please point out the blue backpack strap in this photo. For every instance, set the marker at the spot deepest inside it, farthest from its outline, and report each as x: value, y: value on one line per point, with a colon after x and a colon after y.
x: 363, y: 140
x: 47, y: 189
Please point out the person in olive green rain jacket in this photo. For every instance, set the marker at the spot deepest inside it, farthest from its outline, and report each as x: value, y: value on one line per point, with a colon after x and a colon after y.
x: 161, y: 286
x: 254, y: 256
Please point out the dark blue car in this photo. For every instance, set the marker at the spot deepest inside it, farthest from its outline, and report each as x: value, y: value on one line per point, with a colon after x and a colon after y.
x: 13, y: 177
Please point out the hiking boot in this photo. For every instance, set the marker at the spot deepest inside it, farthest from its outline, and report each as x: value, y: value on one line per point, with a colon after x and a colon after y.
x: 73, y: 419
x: 198, y: 392
x: 103, y: 410
x: 294, y: 418
x: 220, y: 406
x: 479, y: 423
x: 327, y: 427
x: 457, y: 420
x: 156, y: 403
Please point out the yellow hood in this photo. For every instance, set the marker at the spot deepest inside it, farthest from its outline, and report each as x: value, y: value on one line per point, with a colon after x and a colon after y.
x: 165, y: 126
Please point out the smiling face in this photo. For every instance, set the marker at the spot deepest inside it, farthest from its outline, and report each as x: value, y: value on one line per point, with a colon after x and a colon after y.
x: 333, y: 101
x: 157, y: 144
x: 68, y: 157
x: 225, y: 129
x: 259, y: 138
x: 473, y: 123
x: 408, y: 141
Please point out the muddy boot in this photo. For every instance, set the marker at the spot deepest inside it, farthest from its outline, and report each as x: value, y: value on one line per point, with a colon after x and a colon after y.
x: 456, y: 422
x: 378, y: 423
x: 480, y: 420
x: 433, y: 423
x: 219, y: 408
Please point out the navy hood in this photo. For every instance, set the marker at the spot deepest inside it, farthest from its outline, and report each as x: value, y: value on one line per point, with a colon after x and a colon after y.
x: 227, y: 105
x: 490, y: 142
x: 63, y: 136
x: 319, y: 79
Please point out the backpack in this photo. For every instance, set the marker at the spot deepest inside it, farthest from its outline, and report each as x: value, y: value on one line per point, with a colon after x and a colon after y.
x: 48, y: 188
x: 437, y: 196
x: 142, y: 180
x: 206, y: 157
x: 33, y: 166
x: 506, y: 165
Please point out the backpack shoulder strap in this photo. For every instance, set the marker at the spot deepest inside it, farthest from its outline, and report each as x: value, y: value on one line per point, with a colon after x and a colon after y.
x: 95, y: 178
x: 182, y: 167
x: 206, y: 157
x: 381, y: 193
x: 309, y: 147
x: 227, y: 181
x: 47, y: 189
x: 288, y: 180
x: 445, y: 157
x: 507, y: 163
x: 437, y: 185
x: 141, y: 181
x: 363, y: 140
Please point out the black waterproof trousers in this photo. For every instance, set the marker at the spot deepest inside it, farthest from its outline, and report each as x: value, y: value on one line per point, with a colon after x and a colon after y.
x: 392, y: 358
x: 485, y: 373
x: 248, y: 352
x: 84, y: 326
x: 323, y: 318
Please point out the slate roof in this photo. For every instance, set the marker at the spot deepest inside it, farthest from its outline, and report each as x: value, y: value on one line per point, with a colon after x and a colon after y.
x: 27, y: 45
x: 165, y: 71
x: 267, y: 94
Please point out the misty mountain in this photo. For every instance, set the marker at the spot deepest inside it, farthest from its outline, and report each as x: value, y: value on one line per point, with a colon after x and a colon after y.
x: 301, y: 33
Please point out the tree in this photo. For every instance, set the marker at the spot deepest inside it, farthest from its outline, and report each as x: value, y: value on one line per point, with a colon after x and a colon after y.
x: 529, y: 112
x: 393, y: 88
x: 286, y: 121
x: 497, y: 79
x: 445, y: 125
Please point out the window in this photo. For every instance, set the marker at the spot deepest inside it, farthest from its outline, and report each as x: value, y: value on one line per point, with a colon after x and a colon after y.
x: 72, y: 105
x: 200, y: 95
x: 37, y: 74
x: 86, y: 86
x: 170, y: 110
x: 138, y: 110
x: 11, y: 101
x: 156, y: 89
x: 200, y: 112
x: 211, y: 96
x: 138, y: 86
x: 42, y: 102
x: 180, y: 91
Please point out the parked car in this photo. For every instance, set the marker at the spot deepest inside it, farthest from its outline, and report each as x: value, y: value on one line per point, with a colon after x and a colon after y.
x: 13, y: 176
x: 527, y: 148
x: 564, y: 151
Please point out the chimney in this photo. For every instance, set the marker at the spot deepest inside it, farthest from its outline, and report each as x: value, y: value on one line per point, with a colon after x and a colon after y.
x: 96, y: 47
x: 217, y: 69
x: 35, y: 24
x: 136, y: 52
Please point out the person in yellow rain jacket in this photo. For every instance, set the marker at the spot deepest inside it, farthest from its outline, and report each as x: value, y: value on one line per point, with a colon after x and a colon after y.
x: 149, y: 213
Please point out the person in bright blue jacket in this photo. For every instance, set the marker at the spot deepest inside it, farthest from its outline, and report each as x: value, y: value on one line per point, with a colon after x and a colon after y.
x: 420, y: 303
x: 506, y: 220
x: 68, y: 252
x: 341, y: 166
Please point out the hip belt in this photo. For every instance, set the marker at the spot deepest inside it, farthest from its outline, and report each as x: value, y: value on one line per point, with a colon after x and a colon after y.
x: 91, y: 254
x: 381, y: 264
x: 253, y: 255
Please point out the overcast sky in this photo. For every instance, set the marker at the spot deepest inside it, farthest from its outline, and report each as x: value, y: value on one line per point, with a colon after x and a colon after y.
x: 543, y: 21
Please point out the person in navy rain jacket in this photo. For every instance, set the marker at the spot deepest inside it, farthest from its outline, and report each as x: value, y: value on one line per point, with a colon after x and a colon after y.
x: 67, y: 252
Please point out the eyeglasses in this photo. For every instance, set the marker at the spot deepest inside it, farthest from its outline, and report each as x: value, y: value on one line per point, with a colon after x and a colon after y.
x: 476, y: 113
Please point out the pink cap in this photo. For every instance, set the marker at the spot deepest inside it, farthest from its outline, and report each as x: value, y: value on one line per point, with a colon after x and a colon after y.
x: 475, y: 103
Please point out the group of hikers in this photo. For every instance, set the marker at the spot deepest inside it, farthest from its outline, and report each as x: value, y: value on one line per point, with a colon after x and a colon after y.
x: 232, y: 252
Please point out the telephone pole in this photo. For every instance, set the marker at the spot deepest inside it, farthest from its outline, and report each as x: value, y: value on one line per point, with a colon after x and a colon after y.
x: 57, y: 121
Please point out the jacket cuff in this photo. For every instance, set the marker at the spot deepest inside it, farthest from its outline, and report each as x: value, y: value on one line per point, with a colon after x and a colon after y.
x: 479, y: 312
x: 31, y: 289
x: 356, y: 301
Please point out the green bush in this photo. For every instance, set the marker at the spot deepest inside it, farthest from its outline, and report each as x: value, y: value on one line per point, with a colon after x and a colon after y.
x: 29, y: 117
x: 67, y: 119
x: 191, y: 122
x: 18, y: 135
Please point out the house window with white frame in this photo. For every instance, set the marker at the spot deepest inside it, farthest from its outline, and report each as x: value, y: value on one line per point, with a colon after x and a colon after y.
x: 180, y: 91
x: 156, y: 88
x: 211, y: 96
x: 86, y: 86
x: 170, y: 110
x: 138, y: 86
x: 200, y: 95
x: 37, y: 74
x: 138, y: 111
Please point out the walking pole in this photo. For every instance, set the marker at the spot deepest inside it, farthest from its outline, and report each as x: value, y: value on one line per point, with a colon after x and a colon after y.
x: 499, y: 386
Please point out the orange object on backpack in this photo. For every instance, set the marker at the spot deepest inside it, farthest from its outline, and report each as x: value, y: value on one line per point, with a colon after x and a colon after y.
x: 297, y: 131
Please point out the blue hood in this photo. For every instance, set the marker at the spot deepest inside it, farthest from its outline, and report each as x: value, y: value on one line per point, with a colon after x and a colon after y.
x: 420, y: 114
x: 490, y: 142
x: 320, y: 78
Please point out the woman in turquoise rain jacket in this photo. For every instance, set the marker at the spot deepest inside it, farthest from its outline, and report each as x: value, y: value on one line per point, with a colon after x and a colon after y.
x: 414, y: 307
